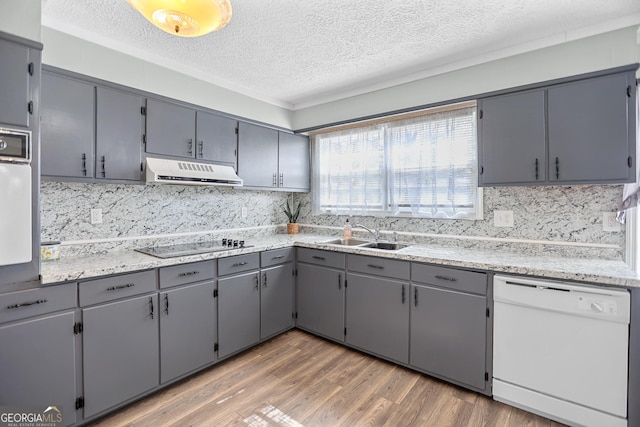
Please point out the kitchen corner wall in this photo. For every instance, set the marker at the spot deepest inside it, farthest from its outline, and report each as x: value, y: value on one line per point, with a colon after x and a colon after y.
x: 143, y: 215
x: 555, y: 220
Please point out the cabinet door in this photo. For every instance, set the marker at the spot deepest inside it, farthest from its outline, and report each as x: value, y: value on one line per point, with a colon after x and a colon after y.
x: 257, y: 155
x: 119, y: 128
x: 512, y: 139
x: 37, y: 364
x: 589, y: 132
x: 448, y: 334
x: 120, y: 352
x: 377, y: 316
x: 67, y: 127
x: 238, y: 313
x: 170, y: 129
x: 14, y: 84
x: 320, y: 301
x: 187, y: 329
x: 217, y: 138
x: 293, y: 161
x: 276, y: 300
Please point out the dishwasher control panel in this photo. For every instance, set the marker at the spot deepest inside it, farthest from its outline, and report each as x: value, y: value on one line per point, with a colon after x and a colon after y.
x: 598, y: 305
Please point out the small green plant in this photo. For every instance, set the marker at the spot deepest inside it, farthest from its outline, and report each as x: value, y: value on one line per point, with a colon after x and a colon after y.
x: 292, y: 214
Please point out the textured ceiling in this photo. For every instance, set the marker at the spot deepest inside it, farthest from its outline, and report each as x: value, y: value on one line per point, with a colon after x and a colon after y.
x: 297, y: 53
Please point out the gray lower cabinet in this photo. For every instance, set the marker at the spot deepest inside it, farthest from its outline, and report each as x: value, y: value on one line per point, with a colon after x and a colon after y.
x: 217, y: 138
x: 67, y: 119
x: 377, y: 316
x: 170, y: 129
x: 119, y: 129
x: 37, y: 364
x: 120, y: 351
x: 449, y: 324
x: 276, y: 300
x: 320, y: 300
x: 187, y: 329
x: 238, y: 312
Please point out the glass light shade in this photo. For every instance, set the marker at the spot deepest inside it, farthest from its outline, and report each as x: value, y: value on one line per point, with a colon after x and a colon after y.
x: 185, y: 18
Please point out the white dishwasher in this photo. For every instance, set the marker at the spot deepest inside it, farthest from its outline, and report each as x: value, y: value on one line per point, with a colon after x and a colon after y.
x: 561, y: 350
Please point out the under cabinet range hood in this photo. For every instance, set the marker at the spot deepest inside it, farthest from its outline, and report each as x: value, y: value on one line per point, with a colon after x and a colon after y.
x: 168, y: 171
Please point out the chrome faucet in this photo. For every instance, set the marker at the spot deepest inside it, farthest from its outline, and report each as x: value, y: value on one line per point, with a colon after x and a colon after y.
x: 376, y: 233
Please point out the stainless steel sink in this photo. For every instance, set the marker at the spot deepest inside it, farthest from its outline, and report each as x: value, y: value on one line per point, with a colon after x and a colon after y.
x: 387, y: 246
x: 347, y: 242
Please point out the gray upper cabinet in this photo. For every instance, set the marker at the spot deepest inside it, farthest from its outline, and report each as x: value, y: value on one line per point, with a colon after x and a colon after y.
x: 293, y: 161
x: 592, y: 130
x: 271, y: 159
x: 170, y: 129
x: 216, y: 138
x: 512, y: 131
x: 187, y: 329
x: 14, y: 84
x: 119, y: 129
x: 37, y: 363
x: 67, y: 127
x: 120, y: 351
x: 238, y: 313
x: 257, y: 155
x: 377, y: 316
x: 576, y: 132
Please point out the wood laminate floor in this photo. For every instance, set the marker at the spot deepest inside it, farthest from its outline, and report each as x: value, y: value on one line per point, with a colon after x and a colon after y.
x: 298, y: 379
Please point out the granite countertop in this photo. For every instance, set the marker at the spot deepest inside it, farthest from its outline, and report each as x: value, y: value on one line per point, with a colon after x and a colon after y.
x: 603, y: 272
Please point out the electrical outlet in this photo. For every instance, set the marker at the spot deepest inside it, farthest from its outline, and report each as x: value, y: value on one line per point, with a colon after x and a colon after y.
x: 503, y: 218
x: 244, y: 212
x: 609, y: 222
x: 96, y: 216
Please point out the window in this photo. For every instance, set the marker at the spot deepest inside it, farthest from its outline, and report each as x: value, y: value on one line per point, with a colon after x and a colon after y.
x: 419, y: 165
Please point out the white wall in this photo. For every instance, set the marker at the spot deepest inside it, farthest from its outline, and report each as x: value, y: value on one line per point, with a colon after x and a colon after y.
x: 71, y: 53
x: 594, y: 53
x: 21, y: 18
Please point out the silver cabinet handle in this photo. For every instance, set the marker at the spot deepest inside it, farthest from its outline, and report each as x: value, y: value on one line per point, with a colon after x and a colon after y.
x: 321, y: 258
x: 281, y: 180
x: 257, y: 283
x: 403, y: 298
x: 415, y: 297
x: 275, y: 180
x: 264, y: 276
x: 190, y: 142
x: 26, y: 304
x: 379, y: 267
x: 450, y: 279
x: 278, y: 257
x: 104, y: 168
x: 339, y: 280
x: 239, y: 264
x: 151, y: 306
x: 166, y: 303
x: 84, y: 164
x: 116, y: 288
x: 201, y: 148
x: 188, y: 273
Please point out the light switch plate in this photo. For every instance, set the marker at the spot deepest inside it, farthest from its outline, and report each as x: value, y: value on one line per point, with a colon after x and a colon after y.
x: 96, y: 216
x: 609, y: 222
x: 503, y: 218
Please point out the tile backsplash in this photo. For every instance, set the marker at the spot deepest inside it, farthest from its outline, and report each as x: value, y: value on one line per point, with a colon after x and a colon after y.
x: 545, y: 218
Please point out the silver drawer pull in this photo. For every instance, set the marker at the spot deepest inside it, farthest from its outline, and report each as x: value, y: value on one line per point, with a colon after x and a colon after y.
x: 379, y: 267
x: 27, y: 304
x: 188, y: 273
x: 321, y: 258
x: 239, y: 264
x: 278, y: 257
x: 450, y: 279
x: 115, y: 288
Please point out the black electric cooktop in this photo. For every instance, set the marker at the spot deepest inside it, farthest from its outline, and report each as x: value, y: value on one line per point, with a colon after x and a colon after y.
x: 184, y: 249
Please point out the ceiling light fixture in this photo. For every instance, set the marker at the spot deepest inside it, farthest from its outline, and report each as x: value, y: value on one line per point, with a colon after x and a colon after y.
x: 185, y: 18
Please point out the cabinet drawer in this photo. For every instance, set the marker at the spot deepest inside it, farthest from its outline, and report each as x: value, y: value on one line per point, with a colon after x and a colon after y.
x: 115, y: 287
x: 236, y: 264
x: 326, y: 258
x: 379, y: 266
x: 450, y: 278
x: 276, y: 256
x: 34, y: 302
x: 187, y: 273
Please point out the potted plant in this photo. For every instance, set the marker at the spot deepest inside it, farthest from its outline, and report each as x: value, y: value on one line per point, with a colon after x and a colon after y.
x: 292, y: 215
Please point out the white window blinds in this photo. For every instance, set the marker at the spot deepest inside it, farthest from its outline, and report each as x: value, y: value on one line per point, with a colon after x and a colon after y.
x: 421, y: 166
